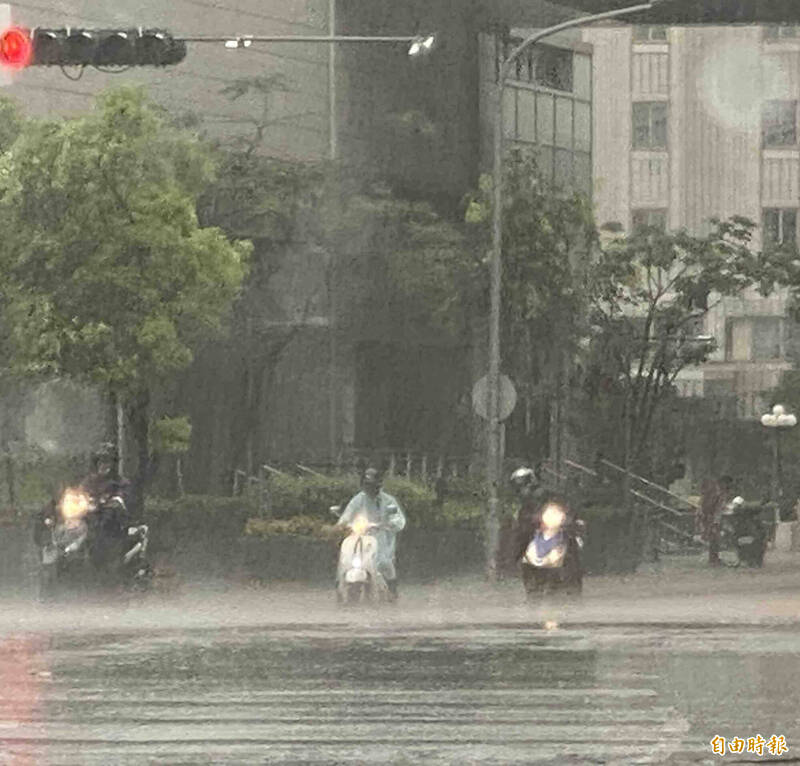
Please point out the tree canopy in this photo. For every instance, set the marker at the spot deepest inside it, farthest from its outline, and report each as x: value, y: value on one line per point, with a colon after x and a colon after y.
x: 107, y: 274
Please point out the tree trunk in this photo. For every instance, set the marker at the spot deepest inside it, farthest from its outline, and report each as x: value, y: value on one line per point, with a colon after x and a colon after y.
x: 140, y: 430
x: 179, y: 475
x: 12, y: 482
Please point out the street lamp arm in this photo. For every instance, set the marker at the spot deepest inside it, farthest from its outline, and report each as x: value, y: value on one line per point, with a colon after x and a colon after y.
x: 569, y: 24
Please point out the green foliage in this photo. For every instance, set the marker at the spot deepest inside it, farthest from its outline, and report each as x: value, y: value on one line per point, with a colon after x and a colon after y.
x: 650, y: 294
x: 11, y: 123
x: 215, y: 521
x: 302, y: 526
x: 313, y: 496
x: 108, y: 275
x: 548, y: 244
x: 310, y: 496
x: 171, y: 435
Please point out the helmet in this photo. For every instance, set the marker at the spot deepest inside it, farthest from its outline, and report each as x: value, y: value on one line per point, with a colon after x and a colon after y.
x: 523, y: 478
x: 106, y: 453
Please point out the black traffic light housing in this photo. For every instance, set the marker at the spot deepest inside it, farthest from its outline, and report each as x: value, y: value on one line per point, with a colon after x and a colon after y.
x: 103, y: 47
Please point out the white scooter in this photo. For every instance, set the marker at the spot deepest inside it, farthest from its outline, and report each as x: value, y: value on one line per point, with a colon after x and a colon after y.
x: 358, y: 579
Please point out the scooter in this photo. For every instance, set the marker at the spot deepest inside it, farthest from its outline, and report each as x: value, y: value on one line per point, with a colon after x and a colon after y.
x: 744, y: 533
x: 551, y: 562
x: 358, y: 579
x: 81, y: 545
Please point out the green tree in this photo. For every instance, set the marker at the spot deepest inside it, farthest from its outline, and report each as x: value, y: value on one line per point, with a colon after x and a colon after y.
x: 549, y: 238
x: 108, y: 276
x: 651, y: 293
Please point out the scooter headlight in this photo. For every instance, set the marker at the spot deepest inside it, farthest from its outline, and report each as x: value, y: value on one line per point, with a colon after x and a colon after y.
x: 360, y: 525
x: 553, y: 516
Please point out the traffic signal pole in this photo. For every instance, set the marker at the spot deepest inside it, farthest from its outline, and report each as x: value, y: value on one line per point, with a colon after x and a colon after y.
x: 21, y: 47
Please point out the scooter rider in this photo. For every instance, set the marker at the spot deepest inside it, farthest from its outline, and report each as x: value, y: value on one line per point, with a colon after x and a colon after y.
x: 383, y: 510
x: 531, y: 497
x: 109, y: 491
x: 101, y: 484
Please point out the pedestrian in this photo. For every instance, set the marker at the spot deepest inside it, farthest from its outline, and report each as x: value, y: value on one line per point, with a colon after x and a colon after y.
x: 714, y: 496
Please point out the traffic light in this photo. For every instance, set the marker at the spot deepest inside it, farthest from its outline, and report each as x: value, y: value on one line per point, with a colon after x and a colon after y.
x: 89, y: 47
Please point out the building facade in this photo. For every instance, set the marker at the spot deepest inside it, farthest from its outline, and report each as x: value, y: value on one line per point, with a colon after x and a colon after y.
x: 695, y: 123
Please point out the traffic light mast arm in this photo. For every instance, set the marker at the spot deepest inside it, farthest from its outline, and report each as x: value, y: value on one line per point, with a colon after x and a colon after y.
x: 245, y: 40
x: 68, y: 46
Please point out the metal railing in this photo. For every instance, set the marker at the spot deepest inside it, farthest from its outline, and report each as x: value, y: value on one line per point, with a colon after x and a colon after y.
x: 673, y: 536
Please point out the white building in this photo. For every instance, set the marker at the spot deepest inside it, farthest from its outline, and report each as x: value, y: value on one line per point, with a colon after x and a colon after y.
x: 692, y: 123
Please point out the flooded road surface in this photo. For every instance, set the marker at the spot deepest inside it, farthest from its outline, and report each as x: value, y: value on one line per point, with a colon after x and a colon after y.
x: 284, y: 678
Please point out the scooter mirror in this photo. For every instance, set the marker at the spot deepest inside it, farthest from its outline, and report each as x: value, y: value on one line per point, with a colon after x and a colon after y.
x: 335, y: 509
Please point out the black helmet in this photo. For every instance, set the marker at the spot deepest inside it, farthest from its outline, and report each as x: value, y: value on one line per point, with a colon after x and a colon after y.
x: 106, y: 453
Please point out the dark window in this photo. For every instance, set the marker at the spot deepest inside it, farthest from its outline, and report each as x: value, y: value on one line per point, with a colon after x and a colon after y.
x: 767, y: 336
x: 780, y: 123
x: 650, y: 125
x: 753, y: 339
x: 780, y: 226
x: 553, y: 68
x: 781, y: 31
x: 649, y: 219
x: 642, y: 34
x: 719, y: 389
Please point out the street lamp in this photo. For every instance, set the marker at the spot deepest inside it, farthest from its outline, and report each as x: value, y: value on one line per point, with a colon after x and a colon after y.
x: 778, y: 420
x: 496, y: 271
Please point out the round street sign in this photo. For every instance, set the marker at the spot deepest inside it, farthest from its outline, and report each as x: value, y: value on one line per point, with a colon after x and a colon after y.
x: 480, y: 397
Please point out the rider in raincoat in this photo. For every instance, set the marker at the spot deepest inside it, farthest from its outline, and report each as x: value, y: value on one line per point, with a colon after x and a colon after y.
x: 379, y: 508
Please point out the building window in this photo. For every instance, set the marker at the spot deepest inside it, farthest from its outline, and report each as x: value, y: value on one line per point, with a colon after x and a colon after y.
x: 650, y: 125
x: 649, y: 219
x: 753, y: 339
x: 542, y: 65
x: 553, y: 68
x: 781, y: 31
x: 780, y: 227
x: 643, y: 34
x: 780, y: 123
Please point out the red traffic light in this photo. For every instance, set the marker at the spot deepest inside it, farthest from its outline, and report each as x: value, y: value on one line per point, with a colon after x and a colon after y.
x: 15, y: 48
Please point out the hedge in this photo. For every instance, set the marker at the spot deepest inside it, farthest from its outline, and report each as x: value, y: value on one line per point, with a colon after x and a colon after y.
x: 313, y: 496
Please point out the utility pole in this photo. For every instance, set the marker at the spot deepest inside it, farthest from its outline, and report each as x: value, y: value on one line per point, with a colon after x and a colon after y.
x: 333, y: 341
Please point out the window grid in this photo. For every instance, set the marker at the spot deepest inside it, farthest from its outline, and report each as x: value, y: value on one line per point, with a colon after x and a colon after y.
x: 780, y: 227
x: 650, y: 125
x: 779, y: 123
x: 781, y: 31
x: 647, y: 34
x: 649, y: 218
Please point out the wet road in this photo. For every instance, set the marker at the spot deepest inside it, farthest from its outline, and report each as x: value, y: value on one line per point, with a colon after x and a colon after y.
x: 284, y: 678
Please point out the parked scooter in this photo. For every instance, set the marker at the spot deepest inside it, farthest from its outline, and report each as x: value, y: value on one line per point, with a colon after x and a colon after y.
x: 552, y: 562
x: 358, y: 579
x: 745, y: 532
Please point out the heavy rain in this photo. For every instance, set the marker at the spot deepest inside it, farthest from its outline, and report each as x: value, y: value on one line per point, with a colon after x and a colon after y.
x: 399, y: 382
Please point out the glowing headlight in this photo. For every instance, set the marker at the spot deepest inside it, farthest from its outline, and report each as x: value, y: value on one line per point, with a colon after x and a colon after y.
x: 356, y: 563
x: 74, y: 504
x: 553, y: 517
x: 360, y: 525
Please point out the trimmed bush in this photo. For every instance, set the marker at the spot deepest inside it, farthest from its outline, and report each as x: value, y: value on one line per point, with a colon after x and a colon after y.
x: 313, y: 496
x: 308, y: 495
x: 176, y: 522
